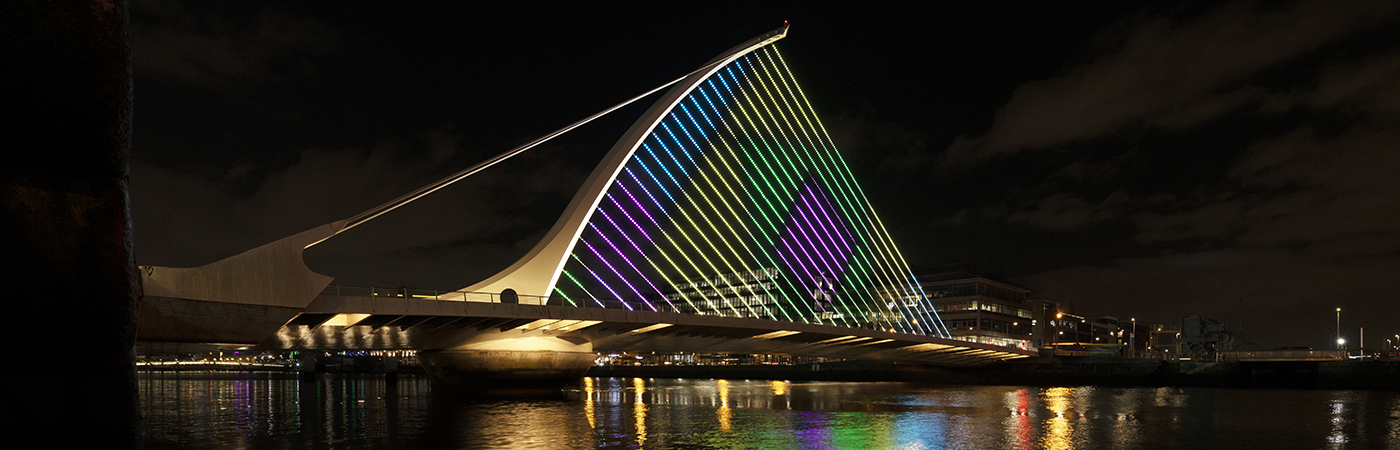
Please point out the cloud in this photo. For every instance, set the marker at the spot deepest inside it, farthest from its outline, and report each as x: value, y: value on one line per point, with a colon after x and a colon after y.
x: 1314, y: 185
x: 1213, y: 218
x: 1304, y: 219
x: 1301, y: 210
x: 188, y: 216
x: 1365, y: 88
x: 1277, y: 293
x: 180, y: 209
x: 1063, y: 212
x: 1302, y: 222
x: 1335, y: 188
x: 902, y: 149
x: 222, y: 51
x: 1165, y: 74
x: 1299, y: 189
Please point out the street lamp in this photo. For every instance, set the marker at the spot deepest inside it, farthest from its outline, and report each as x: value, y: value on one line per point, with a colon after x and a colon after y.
x: 1132, y: 338
x: 1339, y: 328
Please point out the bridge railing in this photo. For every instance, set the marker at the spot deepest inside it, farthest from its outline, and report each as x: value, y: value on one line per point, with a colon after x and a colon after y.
x: 371, y: 291
x: 429, y: 294
x: 1284, y: 355
x: 486, y: 297
x: 497, y: 297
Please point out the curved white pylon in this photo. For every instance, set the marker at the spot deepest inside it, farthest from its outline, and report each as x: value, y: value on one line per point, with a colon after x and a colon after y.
x: 536, y: 273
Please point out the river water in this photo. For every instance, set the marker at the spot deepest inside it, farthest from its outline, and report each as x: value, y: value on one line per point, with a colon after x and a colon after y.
x: 243, y: 410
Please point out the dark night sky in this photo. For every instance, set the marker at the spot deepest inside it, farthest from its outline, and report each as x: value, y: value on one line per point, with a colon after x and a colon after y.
x: 1235, y: 160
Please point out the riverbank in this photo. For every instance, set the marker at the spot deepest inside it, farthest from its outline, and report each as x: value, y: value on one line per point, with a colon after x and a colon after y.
x: 1060, y: 371
x: 321, y: 365
x: 829, y: 371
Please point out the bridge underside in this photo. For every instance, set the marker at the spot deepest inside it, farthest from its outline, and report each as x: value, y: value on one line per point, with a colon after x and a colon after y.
x: 345, y: 322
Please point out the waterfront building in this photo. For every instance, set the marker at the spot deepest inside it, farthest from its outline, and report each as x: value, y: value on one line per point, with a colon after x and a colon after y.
x: 1057, y: 327
x: 1106, y: 330
x: 1136, y: 336
x: 743, y: 294
x: 973, y: 307
x: 753, y: 293
x: 979, y: 309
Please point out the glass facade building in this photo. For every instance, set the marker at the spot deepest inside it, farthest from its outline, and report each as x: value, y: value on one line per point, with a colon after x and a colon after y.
x: 979, y: 309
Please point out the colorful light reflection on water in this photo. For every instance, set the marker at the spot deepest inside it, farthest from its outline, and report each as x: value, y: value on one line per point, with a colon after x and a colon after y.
x: 345, y: 411
x: 836, y: 415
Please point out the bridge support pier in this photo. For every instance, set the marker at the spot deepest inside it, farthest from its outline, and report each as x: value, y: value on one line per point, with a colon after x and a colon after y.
x: 306, y: 365
x: 540, y: 362
x: 66, y: 219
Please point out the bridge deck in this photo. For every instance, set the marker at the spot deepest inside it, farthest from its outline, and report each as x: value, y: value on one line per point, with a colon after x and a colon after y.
x: 344, y: 322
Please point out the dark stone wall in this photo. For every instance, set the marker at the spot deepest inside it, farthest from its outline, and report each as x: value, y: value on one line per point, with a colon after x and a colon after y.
x: 65, y: 225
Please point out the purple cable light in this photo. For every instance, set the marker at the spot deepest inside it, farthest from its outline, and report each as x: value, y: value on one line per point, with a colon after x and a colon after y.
x: 814, y: 251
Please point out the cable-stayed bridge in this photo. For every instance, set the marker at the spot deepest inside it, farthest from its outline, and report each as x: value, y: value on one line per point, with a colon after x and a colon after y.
x: 723, y: 220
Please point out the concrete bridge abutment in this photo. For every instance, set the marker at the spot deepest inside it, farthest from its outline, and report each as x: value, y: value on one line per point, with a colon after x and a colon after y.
x: 545, y: 362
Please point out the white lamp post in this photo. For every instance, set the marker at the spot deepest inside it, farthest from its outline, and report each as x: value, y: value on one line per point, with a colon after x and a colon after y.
x: 1339, y: 328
